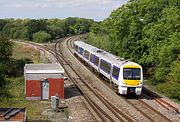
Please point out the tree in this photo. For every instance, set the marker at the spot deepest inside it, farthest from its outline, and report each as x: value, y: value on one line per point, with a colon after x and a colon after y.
x: 41, y: 37
x: 2, y: 24
x: 5, y: 49
x: 144, y: 31
x: 36, y: 26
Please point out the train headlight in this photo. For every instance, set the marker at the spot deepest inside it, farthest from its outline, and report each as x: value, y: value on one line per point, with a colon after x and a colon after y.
x: 140, y: 83
x: 124, y: 83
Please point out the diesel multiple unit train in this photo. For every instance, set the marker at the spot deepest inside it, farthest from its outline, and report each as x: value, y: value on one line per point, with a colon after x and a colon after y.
x: 124, y: 75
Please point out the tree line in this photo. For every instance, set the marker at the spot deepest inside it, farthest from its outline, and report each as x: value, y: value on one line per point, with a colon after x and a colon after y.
x: 44, y: 30
x: 38, y: 30
x: 147, y: 32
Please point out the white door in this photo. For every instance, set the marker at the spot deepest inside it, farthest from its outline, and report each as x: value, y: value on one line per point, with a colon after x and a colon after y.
x: 45, y: 90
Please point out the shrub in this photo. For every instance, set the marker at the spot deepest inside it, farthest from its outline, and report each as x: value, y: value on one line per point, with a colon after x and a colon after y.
x: 170, y: 89
x: 41, y: 37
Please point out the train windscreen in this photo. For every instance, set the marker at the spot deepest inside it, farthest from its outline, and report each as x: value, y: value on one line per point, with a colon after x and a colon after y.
x: 131, y: 73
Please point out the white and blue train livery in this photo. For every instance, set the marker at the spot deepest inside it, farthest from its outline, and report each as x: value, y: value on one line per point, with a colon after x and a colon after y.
x: 125, y: 75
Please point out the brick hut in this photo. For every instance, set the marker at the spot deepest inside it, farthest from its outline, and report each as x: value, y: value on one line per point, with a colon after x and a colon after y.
x: 43, y: 81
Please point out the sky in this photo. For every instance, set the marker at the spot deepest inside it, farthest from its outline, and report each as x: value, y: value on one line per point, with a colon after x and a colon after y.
x: 35, y: 9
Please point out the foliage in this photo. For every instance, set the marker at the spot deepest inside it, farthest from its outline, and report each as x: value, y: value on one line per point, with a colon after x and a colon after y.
x: 36, y: 26
x: 171, y: 89
x: 15, y: 97
x: 2, y: 74
x: 5, y: 53
x: 5, y: 49
x: 147, y: 32
x: 15, y: 67
x: 41, y: 37
x: 57, y: 28
x: 15, y: 29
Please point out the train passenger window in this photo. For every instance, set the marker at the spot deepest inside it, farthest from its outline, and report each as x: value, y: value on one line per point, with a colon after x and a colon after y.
x: 86, y: 54
x: 115, y: 73
x: 96, y: 60
x: 91, y: 58
x: 76, y: 48
x: 105, y: 66
x: 81, y: 50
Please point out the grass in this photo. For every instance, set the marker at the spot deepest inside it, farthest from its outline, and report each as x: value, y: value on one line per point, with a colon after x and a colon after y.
x: 16, y: 98
x: 14, y: 88
x: 21, y: 52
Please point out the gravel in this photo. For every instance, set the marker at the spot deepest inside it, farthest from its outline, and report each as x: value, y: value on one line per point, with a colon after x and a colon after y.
x: 113, y: 97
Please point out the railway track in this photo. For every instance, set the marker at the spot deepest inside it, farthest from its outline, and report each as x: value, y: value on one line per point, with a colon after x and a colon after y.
x: 101, y: 105
x: 160, y: 101
x: 93, y: 102
x: 150, y: 113
x: 106, y: 110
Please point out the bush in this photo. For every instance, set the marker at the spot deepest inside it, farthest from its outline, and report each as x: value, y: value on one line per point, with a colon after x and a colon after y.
x: 41, y: 37
x: 16, y: 66
x: 170, y: 89
x: 175, y: 71
x: 99, y: 40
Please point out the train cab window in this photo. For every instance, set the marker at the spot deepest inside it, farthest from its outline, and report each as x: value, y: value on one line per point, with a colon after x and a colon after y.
x: 86, y: 54
x: 131, y: 73
x: 105, y: 66
x: 115, y: 73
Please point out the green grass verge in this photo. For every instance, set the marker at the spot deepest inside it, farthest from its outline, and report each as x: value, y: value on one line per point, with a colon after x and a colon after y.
x: 16, y: 98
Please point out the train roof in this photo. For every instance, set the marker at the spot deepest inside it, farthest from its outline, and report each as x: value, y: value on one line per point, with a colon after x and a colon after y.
x: 104, y: 55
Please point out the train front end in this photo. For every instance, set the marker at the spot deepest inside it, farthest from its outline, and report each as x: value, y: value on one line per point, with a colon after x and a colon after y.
x: 131, y: 79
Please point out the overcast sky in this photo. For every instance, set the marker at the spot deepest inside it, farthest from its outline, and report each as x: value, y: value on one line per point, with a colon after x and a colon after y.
x: 94, y: 9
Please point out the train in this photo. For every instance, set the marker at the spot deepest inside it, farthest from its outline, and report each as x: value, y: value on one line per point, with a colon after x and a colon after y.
x: 125, y: 76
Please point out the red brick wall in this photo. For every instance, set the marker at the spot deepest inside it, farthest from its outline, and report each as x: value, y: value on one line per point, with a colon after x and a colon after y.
x: 33, y: 88
x: 56, y: 87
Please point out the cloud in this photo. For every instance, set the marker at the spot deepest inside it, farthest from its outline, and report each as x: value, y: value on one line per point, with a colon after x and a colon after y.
x: 96, y: 9
x: 52, y: 3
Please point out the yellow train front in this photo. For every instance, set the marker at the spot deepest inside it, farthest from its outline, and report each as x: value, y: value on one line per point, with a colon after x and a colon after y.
x: 130, y: 78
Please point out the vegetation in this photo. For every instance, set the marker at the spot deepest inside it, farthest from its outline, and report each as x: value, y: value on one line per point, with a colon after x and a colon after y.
x: 12, y: 86
x: 16, y: 98
x: 147, y: 32
x: 41, y: 36
x: 144, y: 31
x: 43, y: 30
x: 13, y: 57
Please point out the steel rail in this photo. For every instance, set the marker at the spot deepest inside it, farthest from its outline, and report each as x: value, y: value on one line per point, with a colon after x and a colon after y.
x: 95, y: 107
x: 119, y: 114
x: 101, y: 113
x: 159, y: 100
x: 139, y: 109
